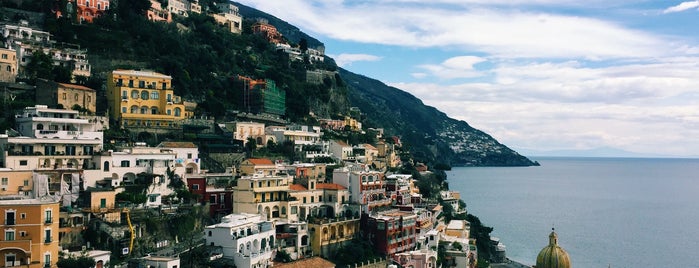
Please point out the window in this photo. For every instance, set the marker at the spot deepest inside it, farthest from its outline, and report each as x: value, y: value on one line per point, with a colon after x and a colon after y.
x: 134, y: 94
x: 212, y: 199
x: 304, y: 200
x: 152, y: 198
x: 125, y: 163
x: 155, y: 95
x: 123, y: 110
x: 64, y: 96
x: 9, y: 235
x: 142, y: 84
x: 294, y: 210
x: 76, y: 96
x: 164, y: 85
x: 26, y: 182
x: 189, y: 155
x: 144, y: 94
x: 134, y: 109
x: 103, y: 203
x: 312, y: 199
x: 22, y: 162
x: 195, y: 186
x: 10, y: 218
x: 70, y: 150
x: 88, y: 150
x: 4, y: 181
x: 47, y: 216
x: 47, y: 260
x: 50, y: 150
x: 178, y: 111
x: 169, y: 112
x: 23, y: 216
x: 154, y: 110
x: 47, y: 234
x: 124, y: 94
x: 4, y: 56
x: 169, y: 96
x: 144, y: 110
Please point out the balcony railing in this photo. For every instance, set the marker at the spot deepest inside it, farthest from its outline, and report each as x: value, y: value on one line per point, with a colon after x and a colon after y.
x: 48, y: 221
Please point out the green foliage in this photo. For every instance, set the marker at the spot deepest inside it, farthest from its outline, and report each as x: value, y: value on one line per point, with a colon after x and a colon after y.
x: 358, y: 250
x: 282, y: 256
x: 76, y: 262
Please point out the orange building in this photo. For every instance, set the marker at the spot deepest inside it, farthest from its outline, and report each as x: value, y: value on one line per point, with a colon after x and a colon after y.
x: 156, y: 12
x: 268, y: 31
x: 30, y: 231
x: 87, y: 10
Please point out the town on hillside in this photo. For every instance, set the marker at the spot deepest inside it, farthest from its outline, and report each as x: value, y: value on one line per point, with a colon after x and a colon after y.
x: 146, y: 181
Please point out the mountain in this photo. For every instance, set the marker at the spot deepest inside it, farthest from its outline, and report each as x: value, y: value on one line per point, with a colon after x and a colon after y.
x: 432, y: 136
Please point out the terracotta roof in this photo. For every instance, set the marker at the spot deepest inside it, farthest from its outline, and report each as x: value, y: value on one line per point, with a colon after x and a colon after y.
x: 76, y: 86
x: 330, y: 186
x: 297, y: 187
x: 177, y: 144
x: 260, y: 161
x: 369, y: 146
x: 315, y: 262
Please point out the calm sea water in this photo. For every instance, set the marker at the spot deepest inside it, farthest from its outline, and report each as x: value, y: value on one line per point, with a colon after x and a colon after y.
x: 616, y: 212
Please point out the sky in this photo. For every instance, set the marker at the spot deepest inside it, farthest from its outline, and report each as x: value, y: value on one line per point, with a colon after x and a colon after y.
x: 538, y: 75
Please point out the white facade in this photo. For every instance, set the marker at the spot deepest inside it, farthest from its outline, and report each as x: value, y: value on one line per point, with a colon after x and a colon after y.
x: 162, y: 262
x: 246, y: 238
x: 366, y: 187
x: 51, y: 139
x: 178, y: 7
x: 341, y: 151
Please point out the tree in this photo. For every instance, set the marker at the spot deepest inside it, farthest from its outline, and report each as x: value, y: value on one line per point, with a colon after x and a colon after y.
x: 250, y: 146
x: 76, y: 261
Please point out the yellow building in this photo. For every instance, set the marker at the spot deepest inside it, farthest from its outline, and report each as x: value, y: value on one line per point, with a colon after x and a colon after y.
x: 30, y: 231
x: 144, y: 100
x: 8, y: 65
x: 68, y: 96
x: 330, y: 235
x: 16, y: 182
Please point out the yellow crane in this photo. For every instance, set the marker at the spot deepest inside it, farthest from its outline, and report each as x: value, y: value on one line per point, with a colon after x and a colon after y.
x: 131, y: 229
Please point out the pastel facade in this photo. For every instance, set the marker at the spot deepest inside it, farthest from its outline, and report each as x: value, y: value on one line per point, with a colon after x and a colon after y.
x: 265, y: 195
x: 88, y: 10
x: 157, y: 12
x: 267, y: 31
x: 16, y: 182
x: 30, y: 232
x: 144, y: 100
x: 366, y: 187
x: 8, y: 65
x: 229, y: 18
x: 244, y: 130
x: 258, y: 166
x: 424, y: 258
x: 330, y: 235
x: 248, y: 239
x: 65, y: 95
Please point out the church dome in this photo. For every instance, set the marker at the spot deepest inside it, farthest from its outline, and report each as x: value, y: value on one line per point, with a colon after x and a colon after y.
x: 553, y: 256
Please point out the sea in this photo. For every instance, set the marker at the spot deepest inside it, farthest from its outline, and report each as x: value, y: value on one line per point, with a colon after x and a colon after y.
x: 607, y: 212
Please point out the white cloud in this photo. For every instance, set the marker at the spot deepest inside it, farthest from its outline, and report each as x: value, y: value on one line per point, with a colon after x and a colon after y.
x: 343, y: 60
x: 456, y: 67
x: 682, y: 7
x: 643, y: 107
x: 499, y: 32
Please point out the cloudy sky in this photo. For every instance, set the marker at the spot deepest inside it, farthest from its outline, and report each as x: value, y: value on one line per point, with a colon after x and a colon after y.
x: 536, y: 75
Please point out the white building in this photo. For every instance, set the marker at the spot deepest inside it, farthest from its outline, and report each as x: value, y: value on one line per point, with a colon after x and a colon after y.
x: 229, y: 17
x: 162, y: 262
x: 267, y: 196
x: 246, y: 238
x: 341, y: 150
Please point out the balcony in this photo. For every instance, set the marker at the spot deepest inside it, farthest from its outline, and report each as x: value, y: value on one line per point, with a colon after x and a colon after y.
x: 48, y: 221
x: 10, y: 222
x: 47, y: 241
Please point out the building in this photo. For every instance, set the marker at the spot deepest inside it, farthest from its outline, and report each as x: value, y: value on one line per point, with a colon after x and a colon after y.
x: 341, y: 151
x: 67, y: 96
x: 392, y: 231
x: 8, y: 65
x: 244, y: 130
x: 179, y: 7
x: 265, y: 195
x: 144, y: 100
x: 87, y: 10
x: 261, y: 166
x: 157, y: 12
x: 292, y: 238
x: 424, y: 258
x: 213, y: 189
x: 267, y: 31
x: 162, y: 262
x: 229, y: 17
x: 263, y: 96
x: 16, y: 182
x: 330, y: 234
x: 30, y: 228
x: 248, y: 239
x: 366, y: 187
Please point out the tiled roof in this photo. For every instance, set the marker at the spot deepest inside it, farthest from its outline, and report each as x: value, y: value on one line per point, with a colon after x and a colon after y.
x: 315, y: 262
x: 369, y: 146
x: 76, y: 86
x: 341, y: 143
x: 177, y: 144
x: 297, y: 187
x: 330, y: 186
x: 260, y: 161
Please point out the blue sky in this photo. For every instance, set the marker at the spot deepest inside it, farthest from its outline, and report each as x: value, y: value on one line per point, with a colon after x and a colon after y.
x: 536, y: 75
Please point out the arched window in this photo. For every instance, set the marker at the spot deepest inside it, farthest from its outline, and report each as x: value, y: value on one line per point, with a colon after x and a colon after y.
x: 144, y: 94
x: 154, y: 110
x: 155, y: 95
x: 106, y: 165
x: 178, y: 112
x: 134, y: 94
x: 144, y: 110
x: 40, y: 126
x: 134, y: 109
